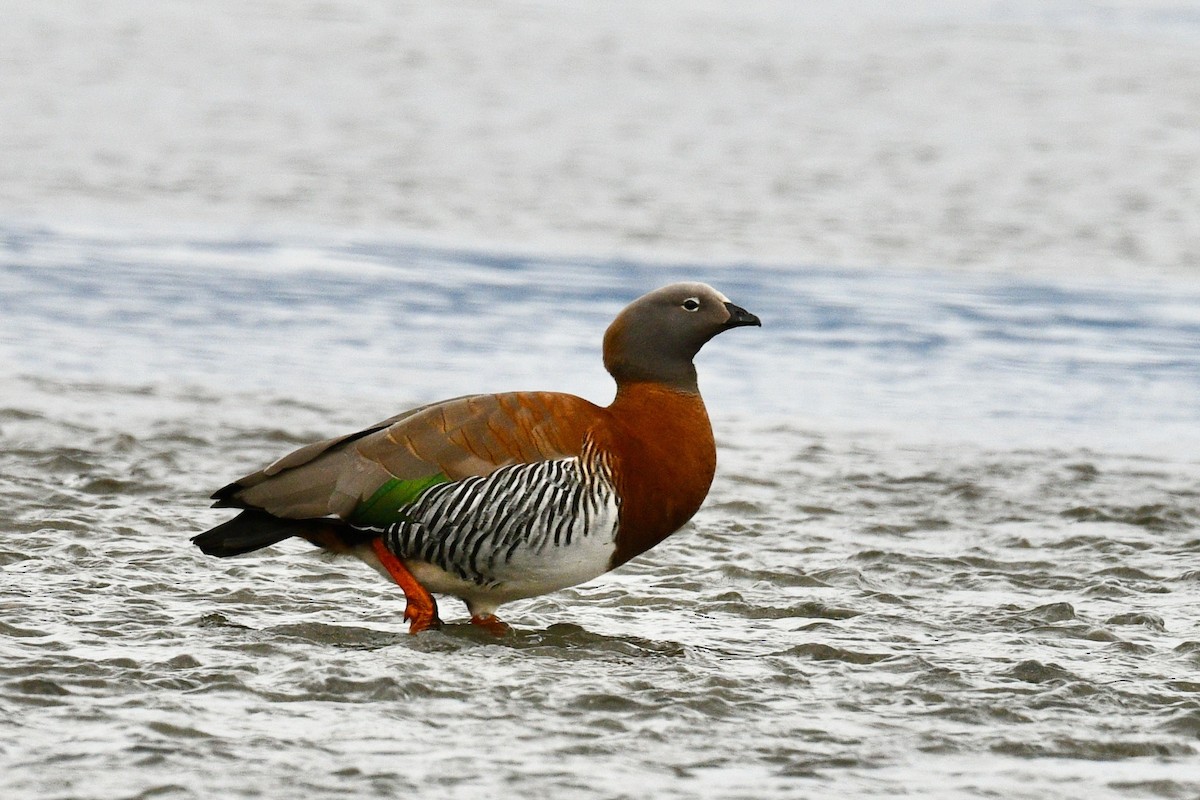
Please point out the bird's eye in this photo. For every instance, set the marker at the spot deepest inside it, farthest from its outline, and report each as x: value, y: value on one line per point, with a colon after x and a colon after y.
x: 691, y: 304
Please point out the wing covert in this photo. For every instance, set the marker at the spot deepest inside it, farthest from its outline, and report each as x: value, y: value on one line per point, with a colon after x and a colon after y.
x: 447, y: 441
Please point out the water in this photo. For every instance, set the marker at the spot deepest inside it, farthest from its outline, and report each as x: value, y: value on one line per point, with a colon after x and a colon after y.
x: 1014, y: 135
x: 951, y: 549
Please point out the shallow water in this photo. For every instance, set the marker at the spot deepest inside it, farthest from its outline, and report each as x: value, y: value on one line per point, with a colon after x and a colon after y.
x: 952, y: 546
x: 951, y: 549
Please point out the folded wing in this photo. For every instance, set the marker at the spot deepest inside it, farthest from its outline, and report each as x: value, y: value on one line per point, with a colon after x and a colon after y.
x: 369, y: 476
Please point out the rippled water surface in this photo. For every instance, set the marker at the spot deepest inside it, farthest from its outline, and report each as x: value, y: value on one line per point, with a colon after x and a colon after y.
x: 953, y: 548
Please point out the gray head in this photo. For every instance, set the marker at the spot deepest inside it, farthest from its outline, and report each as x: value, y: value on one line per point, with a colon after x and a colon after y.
x: 655, y: 338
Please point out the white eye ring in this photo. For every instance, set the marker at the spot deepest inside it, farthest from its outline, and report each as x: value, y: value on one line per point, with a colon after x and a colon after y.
x: 691, y: 304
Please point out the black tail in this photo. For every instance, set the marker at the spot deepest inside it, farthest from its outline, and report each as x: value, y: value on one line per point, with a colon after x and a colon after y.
x: 249, y: 531
x: 253, y: 530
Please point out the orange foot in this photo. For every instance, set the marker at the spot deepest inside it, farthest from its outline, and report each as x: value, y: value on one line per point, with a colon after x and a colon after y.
x: 492, y: 624
x: 420, y: 608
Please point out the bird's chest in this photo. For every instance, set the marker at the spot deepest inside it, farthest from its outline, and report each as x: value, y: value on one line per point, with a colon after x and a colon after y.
x: 663, y: 470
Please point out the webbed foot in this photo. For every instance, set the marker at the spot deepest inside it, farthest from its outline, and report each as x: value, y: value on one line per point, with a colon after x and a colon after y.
x: 492, y: 624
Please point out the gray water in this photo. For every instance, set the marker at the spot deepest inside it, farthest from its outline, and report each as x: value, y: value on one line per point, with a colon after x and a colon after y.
x: 952, y: 547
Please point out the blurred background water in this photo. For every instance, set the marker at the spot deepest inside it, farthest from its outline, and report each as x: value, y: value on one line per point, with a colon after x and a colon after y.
x: 952, y: 546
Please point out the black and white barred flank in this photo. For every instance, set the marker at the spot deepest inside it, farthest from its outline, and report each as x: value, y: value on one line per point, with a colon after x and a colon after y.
x: 472, y: 528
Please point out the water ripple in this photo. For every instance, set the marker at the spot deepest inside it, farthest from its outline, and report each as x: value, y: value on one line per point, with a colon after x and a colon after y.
x: 847, y: 605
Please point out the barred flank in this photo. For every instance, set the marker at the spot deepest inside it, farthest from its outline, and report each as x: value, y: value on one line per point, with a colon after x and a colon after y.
x: 472, y: 526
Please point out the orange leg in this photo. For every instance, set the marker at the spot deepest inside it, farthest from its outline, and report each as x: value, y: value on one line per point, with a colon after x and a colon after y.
x: 420, y: 608
x: 491, y: 623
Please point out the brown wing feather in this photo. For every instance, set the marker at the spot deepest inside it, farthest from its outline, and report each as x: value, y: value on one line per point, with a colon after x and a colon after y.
x: 466, y: 436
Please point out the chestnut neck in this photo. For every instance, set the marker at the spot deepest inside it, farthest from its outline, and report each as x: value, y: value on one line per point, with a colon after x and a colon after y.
x: 665, y: 461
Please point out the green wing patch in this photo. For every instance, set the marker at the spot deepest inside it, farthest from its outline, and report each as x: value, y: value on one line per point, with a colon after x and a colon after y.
x: 388, y: 502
